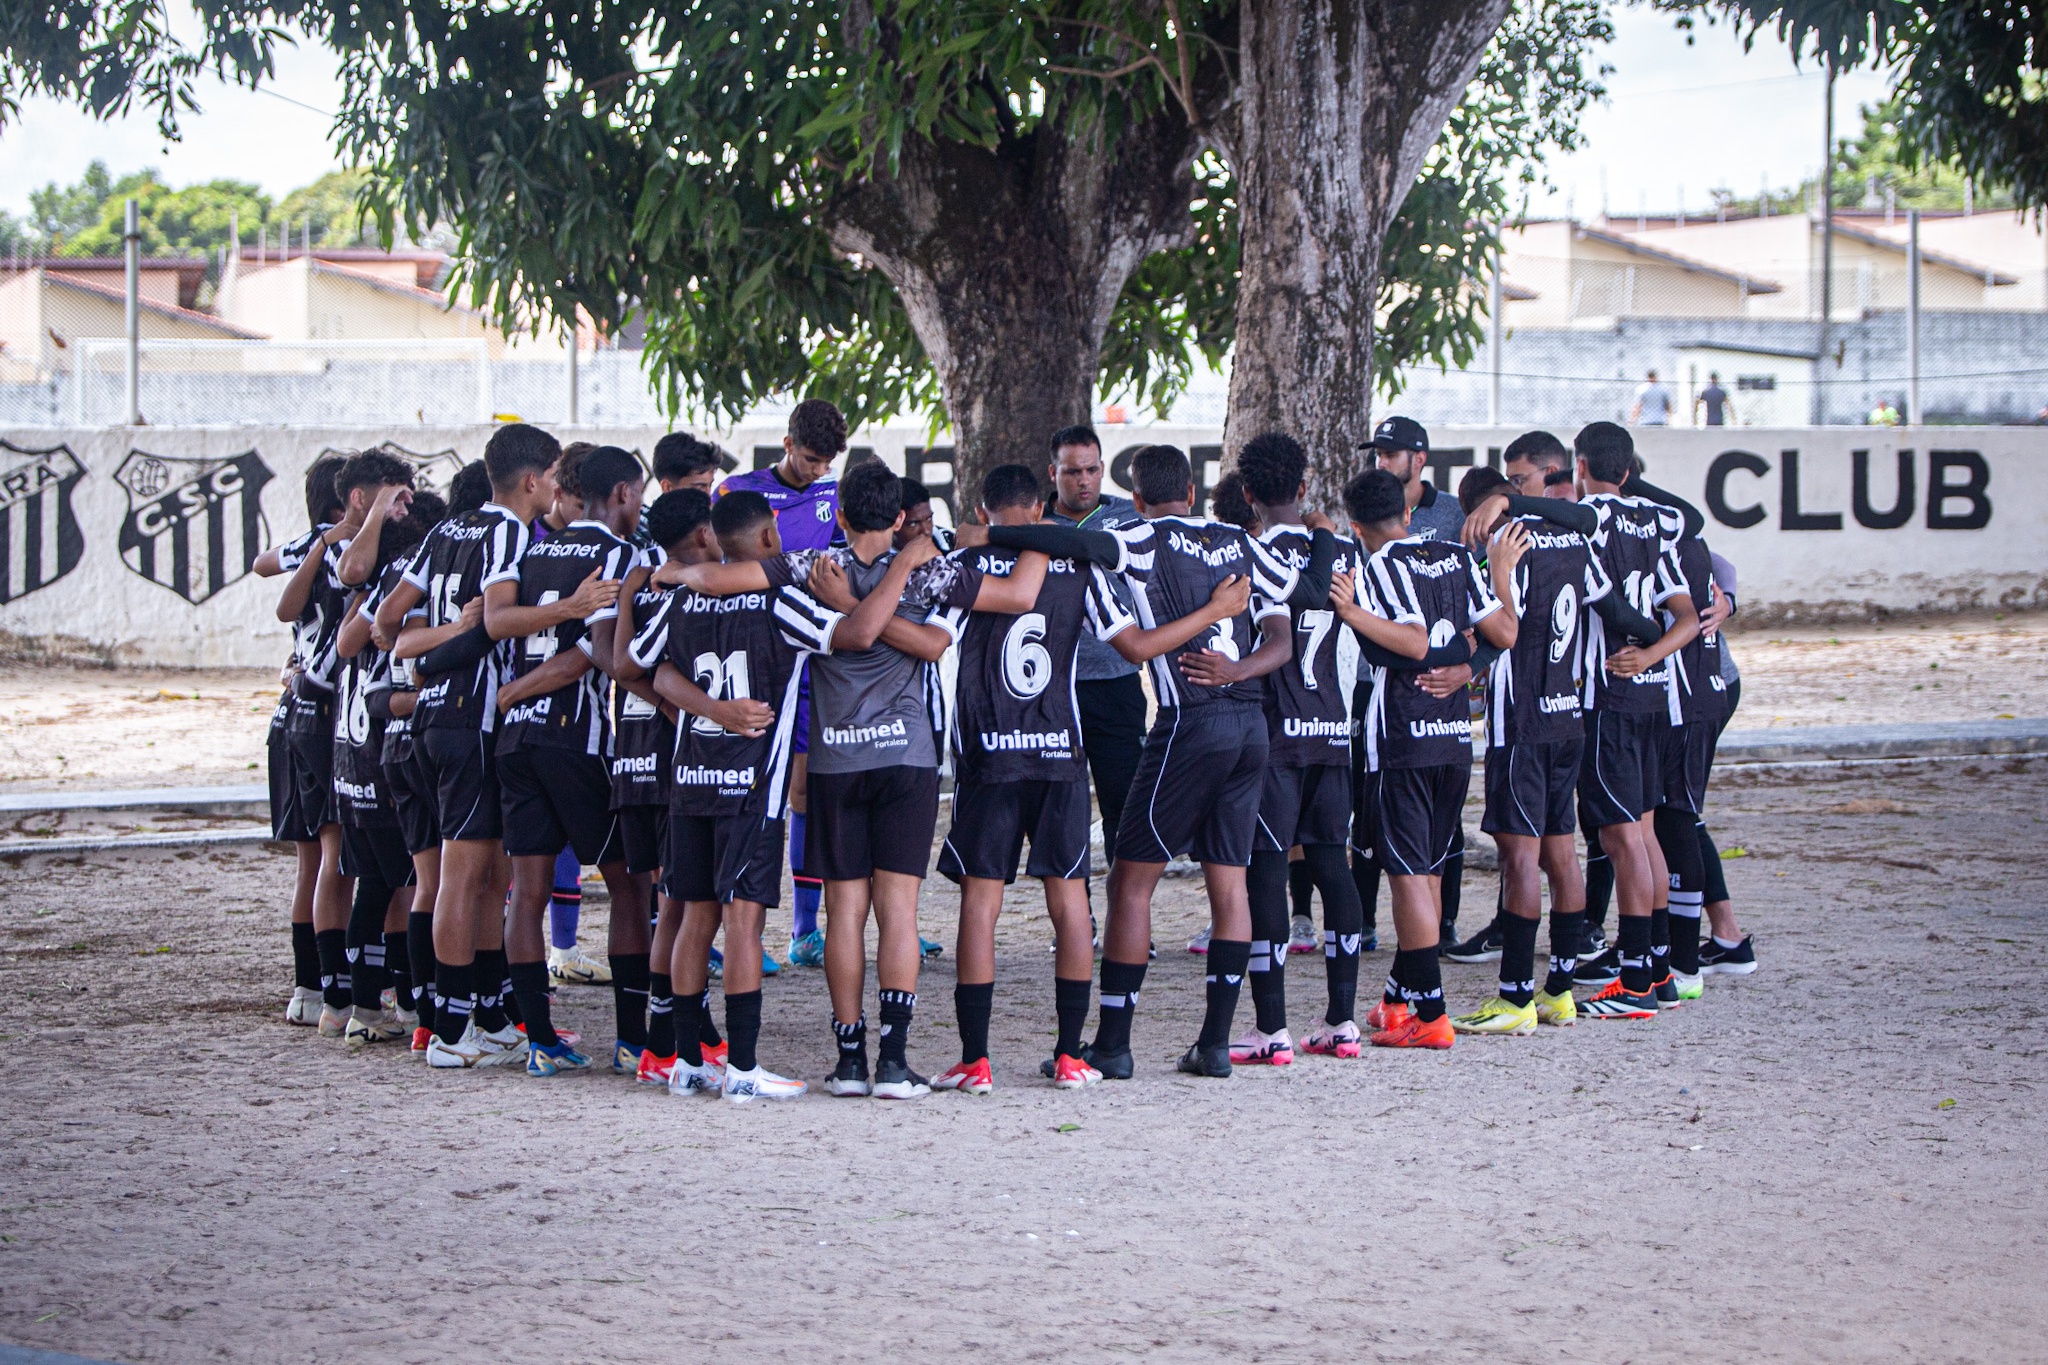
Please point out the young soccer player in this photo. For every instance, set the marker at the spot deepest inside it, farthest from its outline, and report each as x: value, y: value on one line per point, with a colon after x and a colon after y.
x: 1418, y: 739
x: 552, y: 749
x: 683, y: 461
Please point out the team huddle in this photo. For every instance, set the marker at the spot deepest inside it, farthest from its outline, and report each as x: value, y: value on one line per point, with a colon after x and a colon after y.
x: 550, y: 670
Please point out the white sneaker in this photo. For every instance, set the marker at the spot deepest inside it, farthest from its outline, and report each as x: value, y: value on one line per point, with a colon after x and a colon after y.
x: 572, y: 967
x: 744, y: 1087
x: 388, y: 1000
x: 503, y: 1048
x: 702, y: 1079
x: 464, y: 1052
x: 304, y: 1009
x: 1199, y: 943
x: 1302, y: 936
x: 375, y: 1026
x: 333, y: 1022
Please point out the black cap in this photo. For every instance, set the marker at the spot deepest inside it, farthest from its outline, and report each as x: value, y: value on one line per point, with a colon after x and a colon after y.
x: 1398, y: 433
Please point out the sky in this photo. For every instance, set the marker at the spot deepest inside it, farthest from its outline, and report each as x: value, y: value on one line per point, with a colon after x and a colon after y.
x: 1679, y: 120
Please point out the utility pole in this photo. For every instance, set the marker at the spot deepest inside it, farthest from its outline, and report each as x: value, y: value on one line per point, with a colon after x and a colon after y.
x: 131, y: 239
x: 1827, y: 241
x: 572, y: 371
x: 1913, y: 413
x: 1494, y: 327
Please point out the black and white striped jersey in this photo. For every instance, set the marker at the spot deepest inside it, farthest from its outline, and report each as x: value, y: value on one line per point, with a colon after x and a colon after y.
x: 1533, y: 692
x: 1703, y: 692
x: 573, y: 716
x: 1014, y: 714
x: 459, y: 559
x: 642, y: 737
x: 1637, y: 542
x: 1172, y: 565
x: 359, y: 737
x: 314, y: 633
x: 745, y: 647
x: 1308, y: 717
x: 1438, y: 585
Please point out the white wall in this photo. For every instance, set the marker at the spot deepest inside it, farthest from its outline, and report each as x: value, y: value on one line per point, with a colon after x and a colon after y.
x: 1805, y: 549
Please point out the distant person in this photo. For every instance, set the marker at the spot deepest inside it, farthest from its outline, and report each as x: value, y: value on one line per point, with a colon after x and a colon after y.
x: 1885, y: 414
x: 1714, y: 401
x: 1653, y: 406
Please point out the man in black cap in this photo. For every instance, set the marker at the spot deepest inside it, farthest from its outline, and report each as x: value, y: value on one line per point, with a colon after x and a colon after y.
x: 1400, y: 446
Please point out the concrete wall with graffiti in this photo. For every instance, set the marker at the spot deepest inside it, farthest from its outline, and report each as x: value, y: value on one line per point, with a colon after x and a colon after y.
x: 136, y: 546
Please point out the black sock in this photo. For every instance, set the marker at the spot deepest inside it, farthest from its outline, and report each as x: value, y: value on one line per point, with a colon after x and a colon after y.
x: 494, y: 998
x: 454, y: 999
x: 398, y: 963
x: 1454, y: 896
x: 1599, y: 878
x: 1343, y: 928
x: 707, y: 1031
x: 530, y: 989
x: 1266, y: 884
x: 661, y: 1015
x: 1422, y: 981
x: 1633, y: 935
x: 332, y: 945
x: 1365, y: 879
x: 368, y: 975
x: 1685, y: 932
x: 305, y: 958
x: 972, y: 1006
x: 419, y: 942
x: 1121, y: 982
x: 743, y: 1022
x: 629, y: 997
x: 853, y: 1041
x: 1395, y: 992
x: 686, y: 1018
x: 1517, y: 959
x: 1301, y: 886
x: 1660, y: 942
x: 1228, y: 959
x: 898, y: 1007
x: 1567, y: 932
x: 1070, y: 1006
x: 1678, y: 835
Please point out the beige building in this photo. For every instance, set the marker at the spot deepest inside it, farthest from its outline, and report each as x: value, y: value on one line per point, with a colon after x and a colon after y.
x: 1570, y: 274
x: 2008, y: 243
x: 45, y: 312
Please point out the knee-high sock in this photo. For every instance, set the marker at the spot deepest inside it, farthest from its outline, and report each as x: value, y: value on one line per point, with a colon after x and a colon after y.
x: 1267, y: 959
x: 565, y: 902
x: 1343, y: 928
x: 1599, y: 877
x: 1301, y: 889
x: 1365, y: 879
x: 1678, y: 835
x: 419, y: 943
x: 368, y: 972
x: 803, y: 912
x: 1227, y: 961
x: 1454, y: 892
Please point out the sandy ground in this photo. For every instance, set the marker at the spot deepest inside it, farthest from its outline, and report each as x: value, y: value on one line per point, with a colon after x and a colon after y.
x: 1835, y: 1159
x: 86, y: 729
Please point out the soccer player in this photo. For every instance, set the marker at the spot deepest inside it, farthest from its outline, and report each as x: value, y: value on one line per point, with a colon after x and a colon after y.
x: 552, y: 748
x: 1728, y: 950
x: 918, y: 519
x: 804, y: 496
x: 1022, y: 774
x: 683, y: 461
x: 1418, y: 739
x: 297, y: 788
x: 455, y: 720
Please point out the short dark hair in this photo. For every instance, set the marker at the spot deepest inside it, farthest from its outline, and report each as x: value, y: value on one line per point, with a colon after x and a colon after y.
x: 1010, y: 485
x: 604, y: 469
x: 429, y: 509
x: 398, y: 538
x: 871, y: 496
x: 371, y: 469
x: 735, y: 514
x: 1608, y: 450
x: 1272, y: 465
x: 320, y: 495
x: 1479, y: 482
x: 676, y: 516
x: 914, y: 493
x: 469, y: 489
x: 1161, y: 474
x: 1230, y: 501
x: 818, y: 427
x: 679, y: 455
x: 1374, y: 498
x: 1076, y: 435
x: 1538, y: 448
x: 572, y: 460
x: 519, y: 449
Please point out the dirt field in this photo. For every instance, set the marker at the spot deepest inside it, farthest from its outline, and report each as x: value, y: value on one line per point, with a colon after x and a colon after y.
x: 87, y: 729
x: 1835, y: 1159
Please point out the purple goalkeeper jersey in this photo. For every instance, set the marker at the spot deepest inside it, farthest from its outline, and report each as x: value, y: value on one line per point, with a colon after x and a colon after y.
x: 808, y: 518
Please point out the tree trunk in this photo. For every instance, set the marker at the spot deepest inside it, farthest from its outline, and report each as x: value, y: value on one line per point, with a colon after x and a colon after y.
x: 1338, y: 102
x: 1009, y: 264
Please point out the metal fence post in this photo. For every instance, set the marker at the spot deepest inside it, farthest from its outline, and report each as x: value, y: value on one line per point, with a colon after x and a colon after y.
x: 1493, y: 340
x: 1913, y: 414
x: 131, y: 238
x: 572, y: 372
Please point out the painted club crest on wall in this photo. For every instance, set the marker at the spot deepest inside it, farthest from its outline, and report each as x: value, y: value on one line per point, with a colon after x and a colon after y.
x: 194, y: 526
x: 40, y: 540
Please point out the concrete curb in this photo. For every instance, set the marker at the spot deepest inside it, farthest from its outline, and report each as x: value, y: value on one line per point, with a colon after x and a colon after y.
x: 28, y: 1355
x: 1836, y: 743
x: 248, y: 800
x: 121, y: 843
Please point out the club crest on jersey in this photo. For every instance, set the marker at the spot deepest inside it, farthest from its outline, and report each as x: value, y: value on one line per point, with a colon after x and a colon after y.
x: 194, y: 526
x: 39, y: 537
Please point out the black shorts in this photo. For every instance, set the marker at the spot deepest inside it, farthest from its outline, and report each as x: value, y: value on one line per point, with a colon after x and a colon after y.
x: 1197, y: 787
x: 412, y: 797
x: 1309, y: 805
x: 723, y: 858
x: 881, y: 820
x: 992, y: 819
x: 376, y: 851
x: 1529, y: 788
x: 309, y: 771
x: 643, y: 834
x: 1621, y: 770
x: 1687, y: 753
x: 556, y: 799
x: 1421, y: 818
x: 288, y: 816
x: 457, y: 767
